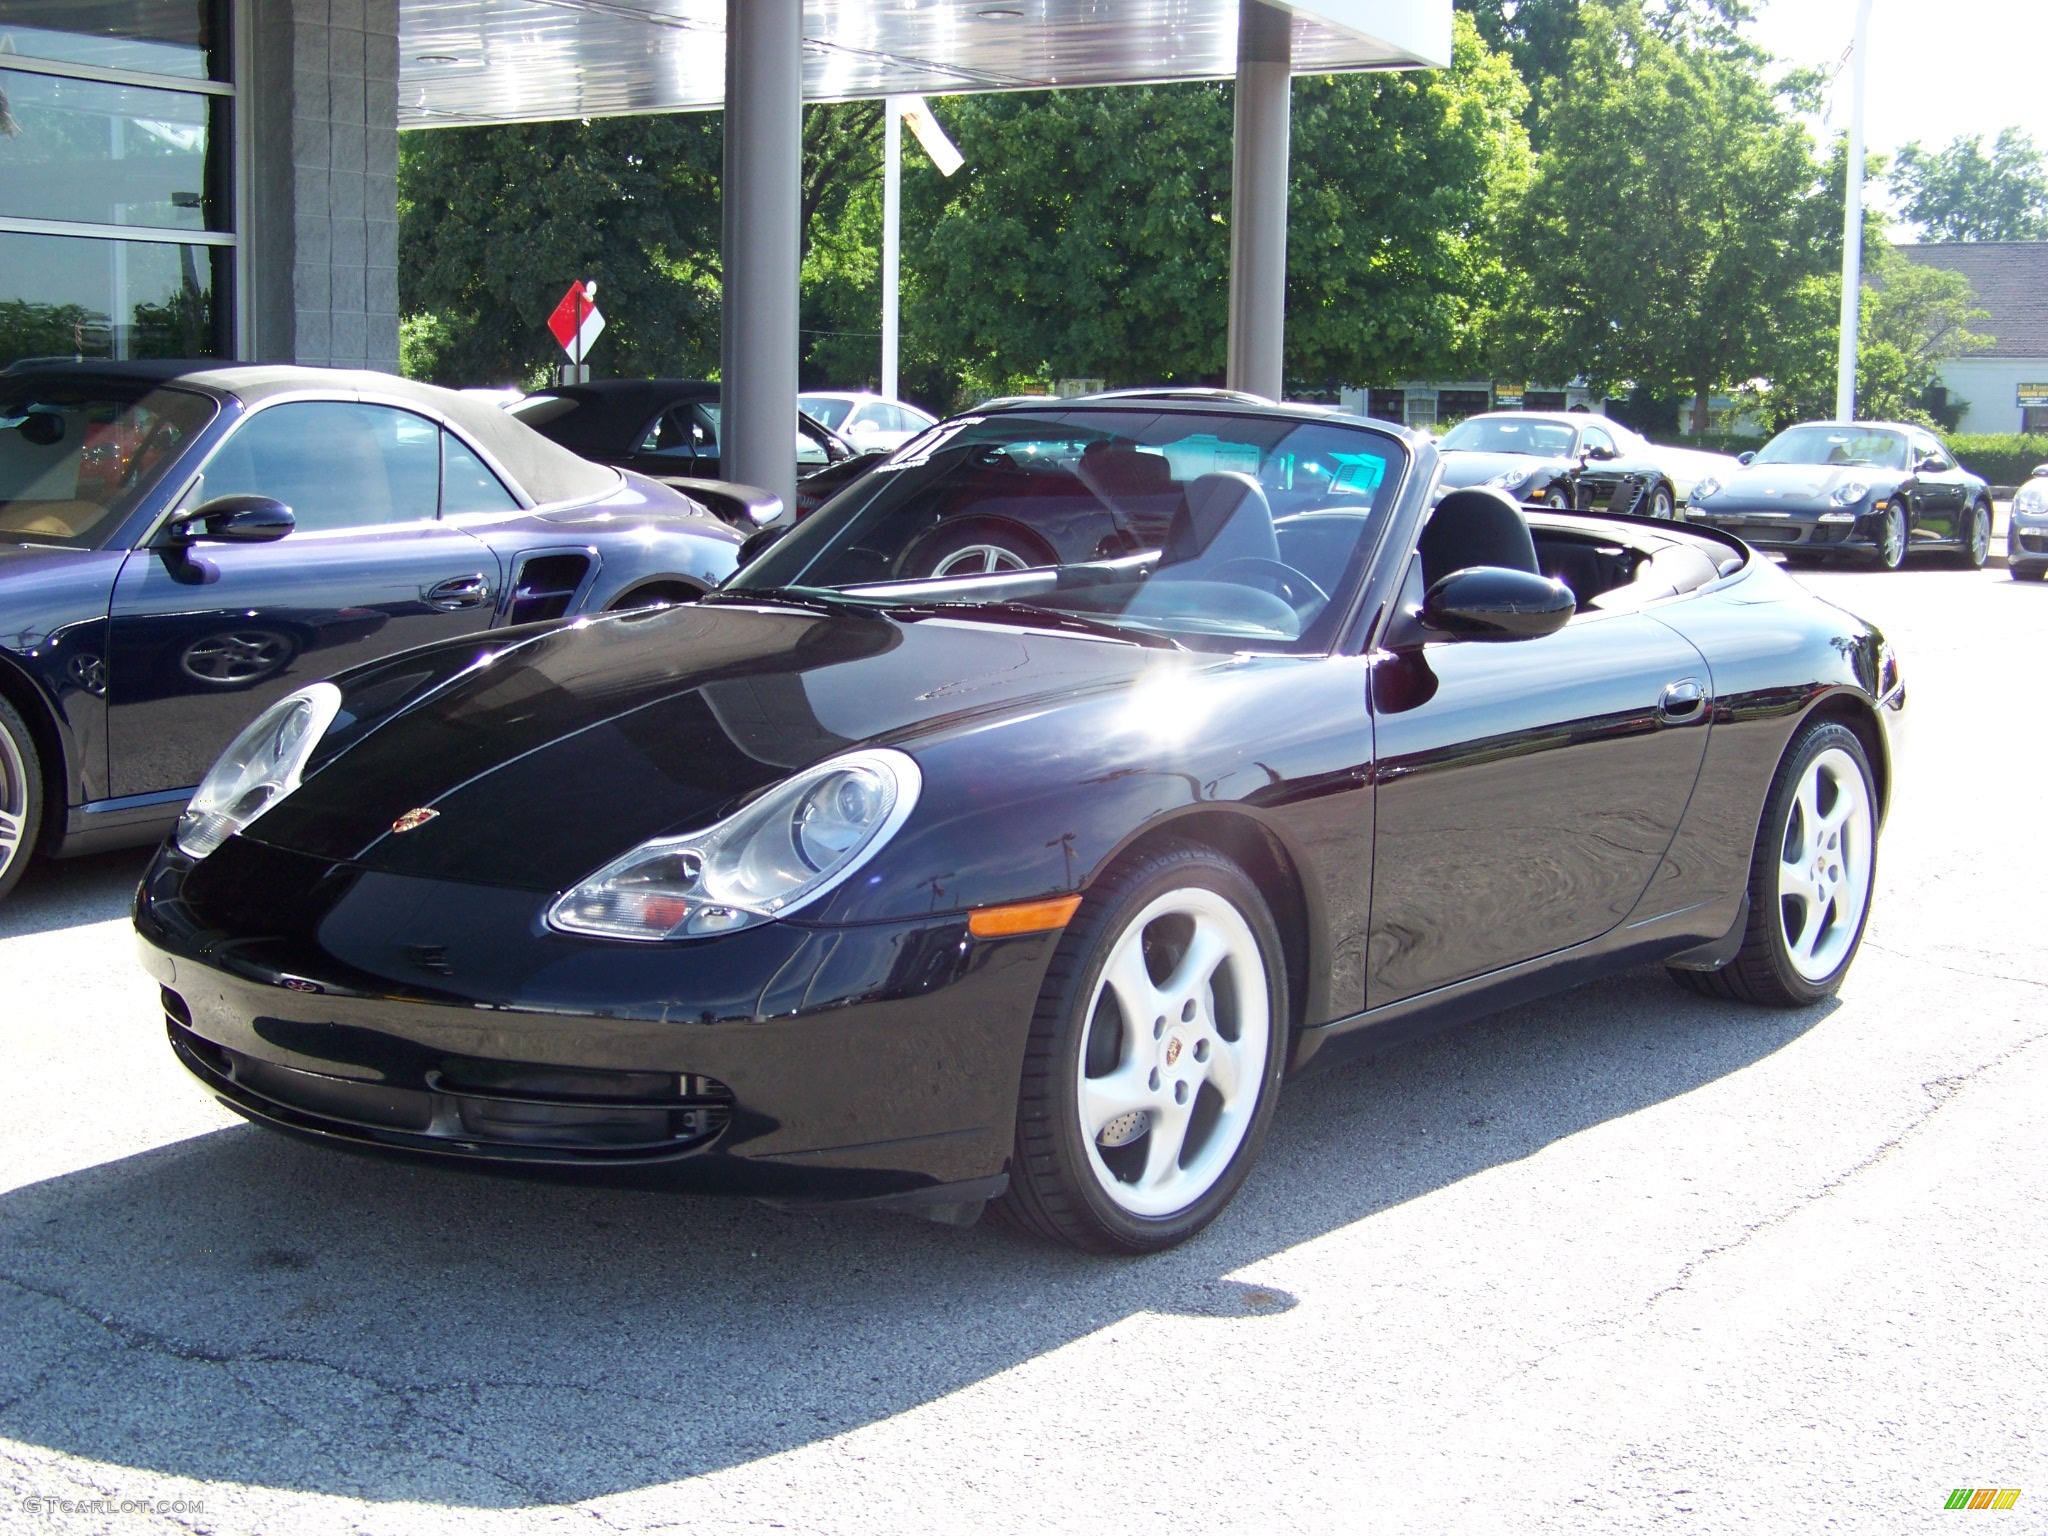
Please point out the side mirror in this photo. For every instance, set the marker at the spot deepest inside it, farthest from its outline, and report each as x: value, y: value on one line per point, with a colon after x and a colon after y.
x: 1745, y: 456
x: 1492, y: 602
x: 1600, y: 453
x: 239, y: 519
x: 1928, y: 464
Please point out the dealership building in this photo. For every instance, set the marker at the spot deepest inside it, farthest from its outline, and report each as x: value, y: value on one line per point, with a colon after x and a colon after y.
x: 195, y: 178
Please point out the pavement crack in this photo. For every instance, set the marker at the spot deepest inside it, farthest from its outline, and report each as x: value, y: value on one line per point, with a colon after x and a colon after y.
x: 1958, y: 970
x: 1940, y: 1092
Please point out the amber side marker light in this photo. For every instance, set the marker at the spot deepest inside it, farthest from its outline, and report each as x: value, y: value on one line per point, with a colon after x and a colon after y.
x: 1022, y: 917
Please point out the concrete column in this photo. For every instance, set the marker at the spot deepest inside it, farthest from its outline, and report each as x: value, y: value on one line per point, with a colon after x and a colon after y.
x: 1258, y: 200
x: 321, y: 153
x: 763, y: 203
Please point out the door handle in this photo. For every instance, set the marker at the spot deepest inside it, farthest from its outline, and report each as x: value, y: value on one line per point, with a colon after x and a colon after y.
x: 459, y: 592
x: 1683, y: 702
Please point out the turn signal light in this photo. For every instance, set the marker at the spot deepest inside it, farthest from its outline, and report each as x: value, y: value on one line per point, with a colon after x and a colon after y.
x: 1022, y: 917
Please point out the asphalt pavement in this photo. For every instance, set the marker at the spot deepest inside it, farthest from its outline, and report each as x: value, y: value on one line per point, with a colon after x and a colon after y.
x: 1623, y: 1260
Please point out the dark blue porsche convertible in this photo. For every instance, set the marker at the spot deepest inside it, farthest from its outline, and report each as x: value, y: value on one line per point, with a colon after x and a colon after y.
x: 182, y: 544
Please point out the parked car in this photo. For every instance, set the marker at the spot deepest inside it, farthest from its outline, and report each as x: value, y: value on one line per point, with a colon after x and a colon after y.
x: 668, y: 429
x: 1564, y: 459
x: 182, y: 544
x: 1871, y: 490
x: 2026, y: 542
x: 858, y: 883
x: 869, y: 422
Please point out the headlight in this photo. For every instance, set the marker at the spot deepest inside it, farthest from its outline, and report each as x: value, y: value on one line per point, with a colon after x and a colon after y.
x: 1510, y: 479
x: 1848, y: 493
x: 260, y: 767
x: 1702, y: 489
x: 788, y: 848
x: 2031, y: 500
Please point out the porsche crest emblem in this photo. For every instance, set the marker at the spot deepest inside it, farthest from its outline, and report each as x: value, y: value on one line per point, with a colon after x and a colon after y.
x: 412, y: 821
x: 1173, y: 1050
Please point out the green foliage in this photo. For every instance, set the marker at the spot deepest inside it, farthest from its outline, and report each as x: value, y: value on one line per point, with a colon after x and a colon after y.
x: 494, y: 223
x: 1961, y: 193
x: 1089, y: 235
x: 2003, y: 458
x: 1677, y: 210
x: 1913, y: 318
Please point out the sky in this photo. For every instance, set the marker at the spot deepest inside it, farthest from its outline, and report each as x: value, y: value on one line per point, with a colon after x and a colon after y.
x: 1938, y: 68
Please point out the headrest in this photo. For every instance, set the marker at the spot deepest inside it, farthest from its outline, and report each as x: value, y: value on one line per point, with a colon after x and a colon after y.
x: 1224, y: 516
x: 1476, y: 526
x: 1121, y: 469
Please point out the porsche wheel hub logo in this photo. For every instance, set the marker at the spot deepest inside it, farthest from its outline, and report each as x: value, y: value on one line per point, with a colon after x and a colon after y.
x: 1173, y: 1050
x: 412, y: 821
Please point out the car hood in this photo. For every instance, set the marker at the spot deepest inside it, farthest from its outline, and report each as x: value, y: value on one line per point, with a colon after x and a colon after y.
x: 550, y: 757
x: 1780, y: 484
x: 1464, y: 467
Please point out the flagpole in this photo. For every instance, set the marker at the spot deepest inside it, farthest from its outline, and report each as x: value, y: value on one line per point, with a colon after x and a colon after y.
x: 892, y: 240
x: 1852, y: 222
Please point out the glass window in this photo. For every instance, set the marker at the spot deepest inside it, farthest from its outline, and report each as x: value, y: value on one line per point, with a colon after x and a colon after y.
x: 1925, y: 446
x: 825, y: 408
x: 1827, y: 443
x: 164, y: 37
x: 676, y: 434
x: 1224, y: 531
x: 1598, y: 437
x: 108, y: 154
x: 1510, y: 434
x: 467, y: 484
x: 335, y: 463
x: 76, y: 458
x: 65, y: 297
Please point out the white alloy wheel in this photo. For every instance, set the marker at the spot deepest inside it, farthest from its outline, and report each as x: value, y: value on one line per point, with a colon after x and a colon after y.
x: 1175, y: 1057
x: 1825, y: 864
x: 14, y: 793
x: 979, y: 560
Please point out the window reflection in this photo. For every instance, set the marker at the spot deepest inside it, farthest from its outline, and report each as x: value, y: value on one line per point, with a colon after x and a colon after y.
x: 65, y: 297
x: 94, y: 153
x: 164, y: 37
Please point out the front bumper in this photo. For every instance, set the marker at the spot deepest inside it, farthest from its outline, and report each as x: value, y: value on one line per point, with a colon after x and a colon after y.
x: 2026, y: 543
x: 428, y: 1018
x: 1814, y: 532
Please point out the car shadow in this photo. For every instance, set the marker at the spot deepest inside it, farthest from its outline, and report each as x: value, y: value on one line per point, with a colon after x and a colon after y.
x: 242, y: 1308
x: 70, y: 893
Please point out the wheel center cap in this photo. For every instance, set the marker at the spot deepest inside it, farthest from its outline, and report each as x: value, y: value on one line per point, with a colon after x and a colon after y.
x: 1173, y: 1049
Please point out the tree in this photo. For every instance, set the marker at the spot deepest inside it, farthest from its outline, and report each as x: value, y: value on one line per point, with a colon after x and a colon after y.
x: 1672, y: 221
x: 1089, y: 235
x: 1961, y: 193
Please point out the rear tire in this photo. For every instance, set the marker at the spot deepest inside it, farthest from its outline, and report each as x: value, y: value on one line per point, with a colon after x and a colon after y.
x: 1154, y: 1058
x: 975, y: 547
x: 1977, y: 537
x: 1663, y: 503
x: 21, y: 796
x: 1811, y: 876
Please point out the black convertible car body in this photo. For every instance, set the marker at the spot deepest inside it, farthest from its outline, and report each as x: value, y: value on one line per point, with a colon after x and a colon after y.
x: 857, y: 883
x: 181, y: 544
x: 1566, y: 459
x: 1868, y: 490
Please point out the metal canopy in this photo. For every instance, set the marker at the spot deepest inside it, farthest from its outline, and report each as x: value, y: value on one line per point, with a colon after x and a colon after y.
x: 501, y: 61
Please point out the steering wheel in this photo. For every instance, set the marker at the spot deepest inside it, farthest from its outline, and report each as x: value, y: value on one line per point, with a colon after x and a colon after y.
x: 1292, y: 587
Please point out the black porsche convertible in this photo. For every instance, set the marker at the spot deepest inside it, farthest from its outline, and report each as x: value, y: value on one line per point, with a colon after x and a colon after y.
x: 878, y: 878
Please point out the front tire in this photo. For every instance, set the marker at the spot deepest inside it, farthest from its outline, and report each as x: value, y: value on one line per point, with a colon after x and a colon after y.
x: 1891, y: 539
x: 1154, y: 1058
x: 21, y: 796
x: 1810, y: 879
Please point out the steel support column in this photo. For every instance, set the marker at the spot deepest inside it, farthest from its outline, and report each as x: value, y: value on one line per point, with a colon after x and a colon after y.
x: 763, y: 199
x: 1258, y: 200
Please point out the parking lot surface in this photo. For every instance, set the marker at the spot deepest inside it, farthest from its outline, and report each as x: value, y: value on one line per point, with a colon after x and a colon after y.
x: 1625, y: 1259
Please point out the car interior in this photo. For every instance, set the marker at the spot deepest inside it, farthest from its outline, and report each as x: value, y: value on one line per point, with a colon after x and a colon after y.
x: 72, y: 465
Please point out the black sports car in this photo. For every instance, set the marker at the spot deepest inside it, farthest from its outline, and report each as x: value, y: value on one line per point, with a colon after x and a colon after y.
x: 1872, y: 490
x: 1563, y: 459
x: 668, y: 428
x: 2027, y: 539
x: 864, y: 881
x: 182, y: 544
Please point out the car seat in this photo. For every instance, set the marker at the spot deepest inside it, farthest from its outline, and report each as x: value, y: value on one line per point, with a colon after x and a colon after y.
x: 1476, y: 526
x: 1224, y: 516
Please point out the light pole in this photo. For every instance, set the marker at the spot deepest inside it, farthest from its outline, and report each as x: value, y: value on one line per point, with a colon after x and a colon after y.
x: 897, y: 110
x: 1852, y: 220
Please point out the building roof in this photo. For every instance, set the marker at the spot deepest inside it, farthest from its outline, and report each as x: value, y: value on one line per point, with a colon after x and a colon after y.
x: 501, y: 61
x: 2011, y: 281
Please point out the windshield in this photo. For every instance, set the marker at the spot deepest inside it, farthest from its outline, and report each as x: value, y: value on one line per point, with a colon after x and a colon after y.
x: 1218, y: 531
x: 1824, y: 444
x: 829, y: 409
x: 76, y: 457
x: 1504, y: 434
